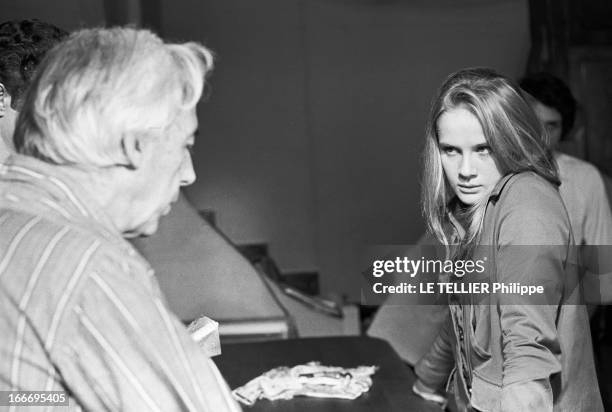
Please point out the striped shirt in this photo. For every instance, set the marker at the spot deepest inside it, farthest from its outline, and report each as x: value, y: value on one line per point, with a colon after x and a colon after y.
x: 80, y: 309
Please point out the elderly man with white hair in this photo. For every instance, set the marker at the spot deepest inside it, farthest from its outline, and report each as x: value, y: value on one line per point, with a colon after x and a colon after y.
x: 103, y: 146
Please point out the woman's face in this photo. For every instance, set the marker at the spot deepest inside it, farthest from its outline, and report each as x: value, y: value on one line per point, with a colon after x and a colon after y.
x: 466, y: 156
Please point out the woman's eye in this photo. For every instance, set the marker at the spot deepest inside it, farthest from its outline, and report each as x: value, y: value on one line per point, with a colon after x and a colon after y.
x: 483, y: 150
x: 449, y: 150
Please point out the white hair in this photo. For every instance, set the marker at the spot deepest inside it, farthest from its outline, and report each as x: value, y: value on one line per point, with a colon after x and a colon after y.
x: 101, y: 84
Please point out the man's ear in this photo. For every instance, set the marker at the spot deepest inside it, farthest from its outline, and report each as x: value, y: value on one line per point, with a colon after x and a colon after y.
x: 133, y: 145
x: 4, y: 100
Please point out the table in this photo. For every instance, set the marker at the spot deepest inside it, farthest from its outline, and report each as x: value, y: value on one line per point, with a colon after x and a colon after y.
x: 392, y: 383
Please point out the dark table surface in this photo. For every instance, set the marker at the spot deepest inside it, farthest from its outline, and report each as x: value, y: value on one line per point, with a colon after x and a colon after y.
x: 392, y: 383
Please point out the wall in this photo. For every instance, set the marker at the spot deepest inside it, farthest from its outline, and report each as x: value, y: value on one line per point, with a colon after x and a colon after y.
x: 253, y: 163
x: 67, y: 14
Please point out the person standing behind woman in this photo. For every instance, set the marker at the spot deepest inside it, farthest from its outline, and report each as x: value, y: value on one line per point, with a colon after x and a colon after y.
x: 582, y: 187
x: 490, y: 180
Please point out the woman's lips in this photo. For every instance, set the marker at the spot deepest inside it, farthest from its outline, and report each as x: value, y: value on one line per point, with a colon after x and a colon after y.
x: 468, y: 189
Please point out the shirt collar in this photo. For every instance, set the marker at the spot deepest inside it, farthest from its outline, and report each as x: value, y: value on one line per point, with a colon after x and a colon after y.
x: 51, y: 182
x: 500, y: 185
x: 497, y: 189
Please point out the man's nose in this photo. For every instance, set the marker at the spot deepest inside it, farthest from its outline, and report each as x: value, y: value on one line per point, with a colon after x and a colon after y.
x: 466, y: 168
x: 188, y: 175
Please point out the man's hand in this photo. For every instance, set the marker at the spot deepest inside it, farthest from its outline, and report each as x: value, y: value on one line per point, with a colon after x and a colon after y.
x: 429, y: 394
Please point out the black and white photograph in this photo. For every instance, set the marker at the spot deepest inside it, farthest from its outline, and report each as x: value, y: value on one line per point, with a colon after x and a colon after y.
x: 306, y: 205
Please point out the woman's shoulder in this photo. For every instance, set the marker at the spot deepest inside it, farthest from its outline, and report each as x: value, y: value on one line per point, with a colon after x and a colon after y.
x: 532, y: 189
x: 530, y: 209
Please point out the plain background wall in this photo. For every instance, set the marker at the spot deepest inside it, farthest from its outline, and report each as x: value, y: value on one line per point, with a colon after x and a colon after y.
x: 254, y: 160
x: 311, y: 137
x: 67, y: 14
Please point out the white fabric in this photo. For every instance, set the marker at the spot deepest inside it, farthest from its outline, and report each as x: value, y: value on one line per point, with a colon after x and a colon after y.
x: 311, y: 379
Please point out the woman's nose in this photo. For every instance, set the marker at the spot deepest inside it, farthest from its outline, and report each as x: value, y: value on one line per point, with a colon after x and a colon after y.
x: 466, y: 168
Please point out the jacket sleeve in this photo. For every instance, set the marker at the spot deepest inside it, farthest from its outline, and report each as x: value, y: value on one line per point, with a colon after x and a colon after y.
x: 534, y: 242
x: 435, y: 367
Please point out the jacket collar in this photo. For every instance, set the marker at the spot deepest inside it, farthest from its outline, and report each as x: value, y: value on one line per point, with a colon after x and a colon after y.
x: 500, y: 185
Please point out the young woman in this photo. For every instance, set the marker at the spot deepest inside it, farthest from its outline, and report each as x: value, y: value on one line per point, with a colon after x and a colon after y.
x: 490, y: 188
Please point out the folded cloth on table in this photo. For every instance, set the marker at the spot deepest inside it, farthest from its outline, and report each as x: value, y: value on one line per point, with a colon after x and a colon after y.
x: 311, y: 379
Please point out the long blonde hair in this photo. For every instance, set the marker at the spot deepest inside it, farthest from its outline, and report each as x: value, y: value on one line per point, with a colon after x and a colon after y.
x: 517, y: 139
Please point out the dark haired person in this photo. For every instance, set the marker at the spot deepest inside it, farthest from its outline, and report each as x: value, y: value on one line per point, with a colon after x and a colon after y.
x: 23, y: 44
x: 554, y: 104
x: 582, y: 188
